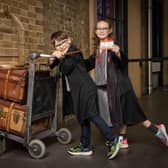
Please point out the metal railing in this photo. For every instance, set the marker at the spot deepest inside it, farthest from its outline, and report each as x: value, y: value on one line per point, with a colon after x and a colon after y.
x: 150, y: 60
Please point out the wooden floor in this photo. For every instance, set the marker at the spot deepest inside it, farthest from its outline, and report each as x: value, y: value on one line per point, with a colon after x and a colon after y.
x: 145, y: 150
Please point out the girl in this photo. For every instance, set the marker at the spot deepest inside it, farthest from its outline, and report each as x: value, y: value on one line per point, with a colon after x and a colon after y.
x: 117, y: 101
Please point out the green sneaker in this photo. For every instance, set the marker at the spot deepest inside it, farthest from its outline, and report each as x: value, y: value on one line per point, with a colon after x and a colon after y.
x: 114, y: 148
x: 80, y: 150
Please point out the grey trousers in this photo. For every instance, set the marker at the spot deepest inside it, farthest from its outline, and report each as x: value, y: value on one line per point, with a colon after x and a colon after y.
x: 103, y: 105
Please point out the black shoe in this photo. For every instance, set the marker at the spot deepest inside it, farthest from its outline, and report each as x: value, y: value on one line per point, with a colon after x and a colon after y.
x: 80, y: 150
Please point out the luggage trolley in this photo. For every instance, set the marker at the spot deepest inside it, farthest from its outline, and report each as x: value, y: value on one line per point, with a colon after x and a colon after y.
x: 34, y: 144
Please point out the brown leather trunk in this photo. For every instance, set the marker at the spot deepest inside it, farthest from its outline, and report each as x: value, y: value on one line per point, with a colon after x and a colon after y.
x: 13, y: 117
x: 16, y: 122
x: 4, y: 114
x: 13, y: 84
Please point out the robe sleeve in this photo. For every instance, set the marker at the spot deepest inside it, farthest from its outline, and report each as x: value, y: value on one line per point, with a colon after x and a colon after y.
x: 90, y: 63
x: 69, y: 63
x: 122, y: 61
x: 55, y: 63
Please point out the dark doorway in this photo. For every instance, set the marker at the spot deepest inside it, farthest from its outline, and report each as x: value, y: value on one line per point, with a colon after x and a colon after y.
x: 157, y: 29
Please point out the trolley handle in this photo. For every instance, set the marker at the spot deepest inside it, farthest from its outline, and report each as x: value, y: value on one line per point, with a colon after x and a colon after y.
x: 37, y: 55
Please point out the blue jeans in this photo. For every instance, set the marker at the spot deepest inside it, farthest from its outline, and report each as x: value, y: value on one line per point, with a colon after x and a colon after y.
x: 101, y: 125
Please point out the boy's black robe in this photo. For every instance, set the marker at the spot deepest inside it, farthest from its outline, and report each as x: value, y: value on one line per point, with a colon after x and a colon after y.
x: 83, y: 90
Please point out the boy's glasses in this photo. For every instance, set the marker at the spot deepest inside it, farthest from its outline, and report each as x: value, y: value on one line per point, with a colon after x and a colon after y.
x: 102, y: 28
x: 60, y: 43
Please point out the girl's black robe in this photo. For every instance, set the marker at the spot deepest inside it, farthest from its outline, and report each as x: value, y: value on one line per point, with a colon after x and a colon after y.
x: 83, y: 90
x: 123, y: 104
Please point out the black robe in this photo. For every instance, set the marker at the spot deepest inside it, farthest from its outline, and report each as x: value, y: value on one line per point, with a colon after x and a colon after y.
x: 123, y: 104
x: 83, y: 90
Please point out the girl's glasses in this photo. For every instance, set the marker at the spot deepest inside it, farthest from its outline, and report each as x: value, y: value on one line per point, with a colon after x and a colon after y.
x: 102, y: 28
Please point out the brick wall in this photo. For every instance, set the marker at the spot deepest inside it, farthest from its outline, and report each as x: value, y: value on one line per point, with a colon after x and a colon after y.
x: 26, y: 25
x: 72, y: 16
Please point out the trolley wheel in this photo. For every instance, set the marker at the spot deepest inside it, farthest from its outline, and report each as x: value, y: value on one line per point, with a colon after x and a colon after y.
x: 64, y: 136
x: 2, y: 145
x: 36, y: 149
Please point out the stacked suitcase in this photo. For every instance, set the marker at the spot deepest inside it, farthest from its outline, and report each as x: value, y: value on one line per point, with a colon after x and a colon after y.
x: 13, y: 85
x: 28, y: 107
x: 13, y: 107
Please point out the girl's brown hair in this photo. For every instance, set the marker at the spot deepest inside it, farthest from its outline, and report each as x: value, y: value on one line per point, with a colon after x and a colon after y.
x: 107, y: 21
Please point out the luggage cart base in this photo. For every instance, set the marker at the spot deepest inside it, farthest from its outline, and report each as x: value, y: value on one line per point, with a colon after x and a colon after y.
x: 36, y: 147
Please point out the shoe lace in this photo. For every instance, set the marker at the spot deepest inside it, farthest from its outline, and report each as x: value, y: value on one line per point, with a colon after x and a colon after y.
x: 111, y: 146
x: 80, y: 146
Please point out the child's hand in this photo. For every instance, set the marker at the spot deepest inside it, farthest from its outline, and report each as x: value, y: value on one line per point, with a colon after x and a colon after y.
x: 116, y: 49
x: 58, y: 54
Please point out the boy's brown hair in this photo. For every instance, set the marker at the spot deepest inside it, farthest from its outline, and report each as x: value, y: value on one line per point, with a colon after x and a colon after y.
x: 59, y: 36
